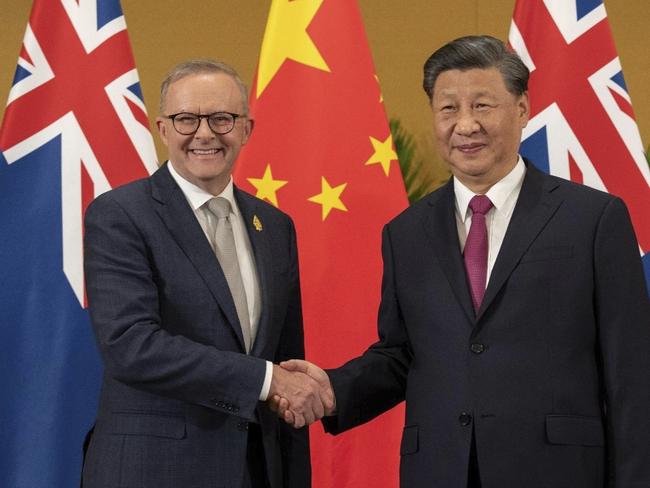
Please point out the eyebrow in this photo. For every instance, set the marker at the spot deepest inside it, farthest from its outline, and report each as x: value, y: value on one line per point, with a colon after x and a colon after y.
x: 454, y: 93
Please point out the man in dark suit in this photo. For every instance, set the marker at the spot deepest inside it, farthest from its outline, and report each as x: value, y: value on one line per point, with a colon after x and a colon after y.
x: 514, y: 316
x: 194, y: 293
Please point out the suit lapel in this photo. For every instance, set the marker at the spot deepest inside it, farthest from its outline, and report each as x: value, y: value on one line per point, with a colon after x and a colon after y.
x: 254, y: 226
x: 182, y: 224
x: 535, y: 206
x: 441, y: 229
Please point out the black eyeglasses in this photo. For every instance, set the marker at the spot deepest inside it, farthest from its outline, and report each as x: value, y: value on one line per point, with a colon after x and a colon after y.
x: 187, y: 123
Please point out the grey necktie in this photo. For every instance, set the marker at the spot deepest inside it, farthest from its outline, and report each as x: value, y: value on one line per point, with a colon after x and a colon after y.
x: 226, y: 252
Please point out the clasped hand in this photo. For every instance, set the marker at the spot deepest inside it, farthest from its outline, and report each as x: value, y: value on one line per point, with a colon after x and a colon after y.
x: 301, y: 393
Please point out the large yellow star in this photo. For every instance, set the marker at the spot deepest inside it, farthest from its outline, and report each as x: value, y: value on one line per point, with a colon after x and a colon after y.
x: 286, y: 38
x: 329, y: 197
x: 266, y: 186
x: 384, y: 153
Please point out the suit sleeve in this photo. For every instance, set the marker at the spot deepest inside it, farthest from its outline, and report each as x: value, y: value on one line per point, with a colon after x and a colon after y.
x: 124, y: 309
x: 369, y: 385
x: 623, y: 318
x: 294, y: 443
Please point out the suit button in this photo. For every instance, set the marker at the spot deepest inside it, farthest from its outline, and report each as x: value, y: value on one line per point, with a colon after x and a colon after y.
x: 243, y: 426
x: 465, y: 419
x: 477, y: 348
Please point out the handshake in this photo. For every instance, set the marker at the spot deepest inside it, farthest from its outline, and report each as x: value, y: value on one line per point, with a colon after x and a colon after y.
x: 300, y: 393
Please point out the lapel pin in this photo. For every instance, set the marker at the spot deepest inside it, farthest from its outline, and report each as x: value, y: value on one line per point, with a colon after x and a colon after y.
x: 257, y: 223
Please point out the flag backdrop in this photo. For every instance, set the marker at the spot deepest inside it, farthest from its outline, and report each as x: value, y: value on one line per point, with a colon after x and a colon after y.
x: 322, y: 151
x: 582, y: 125
x: 75, y: 126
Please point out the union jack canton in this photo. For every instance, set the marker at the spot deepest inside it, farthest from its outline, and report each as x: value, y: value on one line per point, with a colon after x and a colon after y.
x: 75, y: 126
x: 582, y: 125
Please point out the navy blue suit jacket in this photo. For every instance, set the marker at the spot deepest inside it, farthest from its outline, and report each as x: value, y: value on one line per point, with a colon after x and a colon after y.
x: 552, y: 373
x: 178, y: 390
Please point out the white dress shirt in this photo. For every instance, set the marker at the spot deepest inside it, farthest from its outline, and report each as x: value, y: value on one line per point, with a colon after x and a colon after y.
x: 197, y: 198
x: 503, y: 195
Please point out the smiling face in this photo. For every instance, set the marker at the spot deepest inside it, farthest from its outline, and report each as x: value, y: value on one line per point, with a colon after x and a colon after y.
x: 204, y: 158
x: 478, y: 125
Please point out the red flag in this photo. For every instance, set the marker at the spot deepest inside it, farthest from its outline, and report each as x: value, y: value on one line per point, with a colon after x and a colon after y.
x: 322, y: 152
x: 74, y: 127
x: 582, y: 124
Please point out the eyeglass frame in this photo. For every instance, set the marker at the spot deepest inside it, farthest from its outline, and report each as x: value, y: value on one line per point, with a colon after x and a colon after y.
x: 234, y: 116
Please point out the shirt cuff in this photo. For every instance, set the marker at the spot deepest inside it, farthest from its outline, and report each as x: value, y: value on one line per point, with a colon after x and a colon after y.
x: 266, y: 386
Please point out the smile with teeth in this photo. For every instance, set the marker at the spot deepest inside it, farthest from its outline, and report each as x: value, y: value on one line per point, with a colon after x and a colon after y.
x: 205, y: 152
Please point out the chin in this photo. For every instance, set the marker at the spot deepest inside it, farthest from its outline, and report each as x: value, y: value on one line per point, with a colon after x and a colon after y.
x: 474, y: 170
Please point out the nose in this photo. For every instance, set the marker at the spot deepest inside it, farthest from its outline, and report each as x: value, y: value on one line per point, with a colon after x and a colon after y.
x: 466, y: 124
x: 204, y: 130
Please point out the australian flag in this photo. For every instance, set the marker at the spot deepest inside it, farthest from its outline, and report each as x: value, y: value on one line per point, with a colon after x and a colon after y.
x: 582, y: 125
x: 75, y: 126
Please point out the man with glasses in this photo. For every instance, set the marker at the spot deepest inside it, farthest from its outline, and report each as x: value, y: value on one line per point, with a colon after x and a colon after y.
x: 194, y: 294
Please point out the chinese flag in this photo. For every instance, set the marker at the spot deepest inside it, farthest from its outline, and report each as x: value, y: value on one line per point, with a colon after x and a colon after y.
x: 582, y: 125
x: 322, y: 152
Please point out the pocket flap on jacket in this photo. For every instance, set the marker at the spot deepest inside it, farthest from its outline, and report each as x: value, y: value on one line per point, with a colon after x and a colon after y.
x: 152, y: 424
x: 409, y: 440
x: 575, y: 430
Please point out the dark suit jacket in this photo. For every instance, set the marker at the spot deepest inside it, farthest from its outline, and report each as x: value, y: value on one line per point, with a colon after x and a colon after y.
x: 553, y: 373
x: 178, y: 389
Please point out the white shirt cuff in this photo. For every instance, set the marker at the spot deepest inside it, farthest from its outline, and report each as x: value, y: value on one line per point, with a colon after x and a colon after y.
x: 268, y: 376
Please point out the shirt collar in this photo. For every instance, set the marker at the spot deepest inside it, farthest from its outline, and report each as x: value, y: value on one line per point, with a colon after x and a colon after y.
x: 197, y: 197
x: 498, y: 193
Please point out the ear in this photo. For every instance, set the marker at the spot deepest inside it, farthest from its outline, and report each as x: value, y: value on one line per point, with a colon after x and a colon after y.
x: 248, y: 130
x: 523, y: 106
x: 162, y: 129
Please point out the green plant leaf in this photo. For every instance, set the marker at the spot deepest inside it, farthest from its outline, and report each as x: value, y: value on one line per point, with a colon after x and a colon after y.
x: 419, y: 180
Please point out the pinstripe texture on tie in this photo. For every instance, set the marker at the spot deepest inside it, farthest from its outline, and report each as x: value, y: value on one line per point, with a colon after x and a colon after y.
x: 224, y: 248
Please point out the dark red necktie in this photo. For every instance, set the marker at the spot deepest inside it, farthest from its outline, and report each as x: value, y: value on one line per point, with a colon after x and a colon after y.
x: 476, y: 249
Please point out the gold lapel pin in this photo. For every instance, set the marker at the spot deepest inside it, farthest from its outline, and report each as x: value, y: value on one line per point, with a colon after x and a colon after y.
x: 257, y: 223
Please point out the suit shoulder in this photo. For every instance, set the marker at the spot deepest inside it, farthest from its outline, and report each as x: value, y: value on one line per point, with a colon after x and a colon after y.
x: 416, y: 210
x: 131, y: 194
x: 579, y: 193
x: 129, y: 190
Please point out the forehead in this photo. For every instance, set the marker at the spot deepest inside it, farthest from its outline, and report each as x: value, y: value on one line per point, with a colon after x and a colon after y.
x: 471, y: 82
x: 205, y: 92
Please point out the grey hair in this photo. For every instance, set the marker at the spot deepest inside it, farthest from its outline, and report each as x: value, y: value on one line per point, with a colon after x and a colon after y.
x: 480, y: 52
x: 201, y: 66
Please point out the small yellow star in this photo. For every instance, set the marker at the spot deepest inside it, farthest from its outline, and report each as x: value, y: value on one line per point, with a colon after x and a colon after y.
x: 286, y: 38
x: 329, y: 197
x: 384, y: 153
x: 266, y: 186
